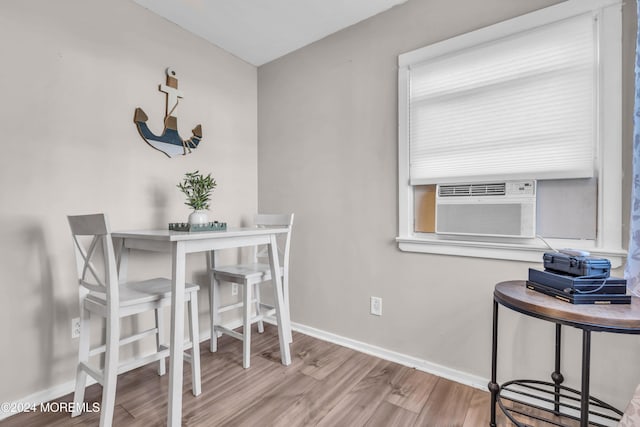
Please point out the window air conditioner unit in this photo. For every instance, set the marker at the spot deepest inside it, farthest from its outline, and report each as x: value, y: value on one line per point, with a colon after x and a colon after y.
x: 503, y: 209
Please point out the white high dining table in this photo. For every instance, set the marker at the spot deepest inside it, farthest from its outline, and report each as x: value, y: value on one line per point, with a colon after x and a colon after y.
x: 179, y: 244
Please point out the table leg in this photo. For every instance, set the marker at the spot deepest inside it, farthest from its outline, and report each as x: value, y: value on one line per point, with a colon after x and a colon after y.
x: 586, y: 361
x: 214, y: 301
x: 284, y: 328
x: 178, y: 269
x: 556, y: 376
x: 493, y: 385
x: 122, y: 257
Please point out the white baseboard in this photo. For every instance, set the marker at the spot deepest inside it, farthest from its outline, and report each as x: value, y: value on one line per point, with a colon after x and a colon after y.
x: 403, y: 359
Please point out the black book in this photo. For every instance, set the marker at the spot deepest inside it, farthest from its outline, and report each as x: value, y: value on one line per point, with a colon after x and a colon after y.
x: 574, y: 297
x: 606, y: 285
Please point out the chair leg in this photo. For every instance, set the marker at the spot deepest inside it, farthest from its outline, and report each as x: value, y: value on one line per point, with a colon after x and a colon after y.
x: 246, y: 317
x: 195, y: 343
x: 162, y: 365
x: 83, y: 358
x: 285, y: 297
x: 110, y: 377
x: 256, y: 292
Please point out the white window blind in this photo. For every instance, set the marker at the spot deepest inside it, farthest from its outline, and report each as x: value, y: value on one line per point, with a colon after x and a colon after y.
x: 519, y: 107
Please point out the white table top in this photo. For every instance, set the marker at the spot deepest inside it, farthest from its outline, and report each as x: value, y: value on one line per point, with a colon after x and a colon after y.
x: 174, y: 236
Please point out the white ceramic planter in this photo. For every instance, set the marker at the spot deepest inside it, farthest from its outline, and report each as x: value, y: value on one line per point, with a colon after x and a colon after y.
x: 199, y: 217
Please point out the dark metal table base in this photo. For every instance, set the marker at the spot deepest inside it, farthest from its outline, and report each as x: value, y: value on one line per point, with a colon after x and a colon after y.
x: 548, y: 402
x: 540, y: 401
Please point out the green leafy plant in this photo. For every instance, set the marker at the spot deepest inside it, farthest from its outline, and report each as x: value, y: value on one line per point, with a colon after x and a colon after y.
x: 198, y: 189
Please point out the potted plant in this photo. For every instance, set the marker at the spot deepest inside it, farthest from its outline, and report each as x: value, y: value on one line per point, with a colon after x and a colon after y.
x: 198, y: 189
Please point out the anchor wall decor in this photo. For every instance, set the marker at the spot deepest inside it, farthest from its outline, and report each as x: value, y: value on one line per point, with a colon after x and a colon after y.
x: 169, y: 142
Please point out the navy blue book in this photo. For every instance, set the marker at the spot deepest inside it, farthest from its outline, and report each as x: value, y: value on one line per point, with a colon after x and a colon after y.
x: 575, y: 284
x: 578, y: 298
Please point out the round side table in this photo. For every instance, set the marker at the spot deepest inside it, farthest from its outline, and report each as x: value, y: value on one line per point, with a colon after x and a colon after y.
x: 553, y: 401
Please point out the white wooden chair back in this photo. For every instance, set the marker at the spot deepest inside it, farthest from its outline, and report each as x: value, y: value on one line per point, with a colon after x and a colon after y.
x: 276, y: 220
x: 95, y: 257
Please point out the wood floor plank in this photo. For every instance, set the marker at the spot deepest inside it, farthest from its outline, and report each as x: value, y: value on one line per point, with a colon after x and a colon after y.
x: 321, y: 399
x: 413, y: 390
x: 361, y: 402
x: 447, y: 404
x: 273, y: 402
x: 234, y: 389
x: 142, y: 397
x: 535, y: 414
x: 325, y: 385
x: 390, y: 415
x: 232, y: 395
x: 479, y: 412
x: 302, y: 348
x: 327, y: 362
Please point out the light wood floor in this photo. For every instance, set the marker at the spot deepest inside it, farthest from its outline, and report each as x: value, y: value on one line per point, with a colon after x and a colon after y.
x: 325, y: 385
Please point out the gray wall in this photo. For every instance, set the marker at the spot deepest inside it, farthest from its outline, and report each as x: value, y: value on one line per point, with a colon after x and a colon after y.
x: 73, y: 71
x: 327, y: 132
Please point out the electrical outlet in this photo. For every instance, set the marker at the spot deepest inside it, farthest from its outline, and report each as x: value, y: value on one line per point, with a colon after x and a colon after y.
x: 376, y: 306
x: 75, y: 327
x: 234, y: 289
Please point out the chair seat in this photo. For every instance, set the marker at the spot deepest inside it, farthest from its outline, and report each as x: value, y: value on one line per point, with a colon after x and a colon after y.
x: 251, y: 272
x: 146, y: 291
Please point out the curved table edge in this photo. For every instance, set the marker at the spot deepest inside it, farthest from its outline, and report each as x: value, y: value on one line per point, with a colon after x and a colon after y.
x: 620, y: 318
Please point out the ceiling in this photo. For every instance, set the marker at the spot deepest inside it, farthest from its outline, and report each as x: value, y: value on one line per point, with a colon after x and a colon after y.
x: 259, y: 31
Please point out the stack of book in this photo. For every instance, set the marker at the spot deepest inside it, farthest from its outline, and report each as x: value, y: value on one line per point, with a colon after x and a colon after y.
x: 578, y: 280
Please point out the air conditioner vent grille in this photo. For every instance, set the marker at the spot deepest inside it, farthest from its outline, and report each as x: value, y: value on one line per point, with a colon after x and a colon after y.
x: 472, y: 190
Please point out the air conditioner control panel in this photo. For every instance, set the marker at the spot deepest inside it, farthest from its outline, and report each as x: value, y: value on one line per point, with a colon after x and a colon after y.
x: 522, y: 188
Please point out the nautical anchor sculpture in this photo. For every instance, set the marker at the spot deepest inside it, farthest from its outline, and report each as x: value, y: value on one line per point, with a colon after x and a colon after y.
x: 169, y: 142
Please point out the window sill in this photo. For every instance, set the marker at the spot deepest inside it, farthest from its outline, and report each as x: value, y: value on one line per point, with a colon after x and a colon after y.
x: 520, y: 251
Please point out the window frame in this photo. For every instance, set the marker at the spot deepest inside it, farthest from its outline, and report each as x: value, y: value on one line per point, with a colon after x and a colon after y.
x: 608, y: 157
